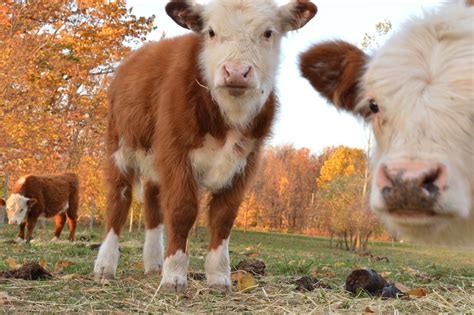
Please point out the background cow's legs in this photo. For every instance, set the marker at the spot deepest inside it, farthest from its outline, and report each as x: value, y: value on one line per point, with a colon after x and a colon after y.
x: 179, y: 201
x: 72, y: 216
x: 30, y: 226
x: 153, y: 246
x: 21, y: 235
x: 119, y: 197
x: 59, y: 220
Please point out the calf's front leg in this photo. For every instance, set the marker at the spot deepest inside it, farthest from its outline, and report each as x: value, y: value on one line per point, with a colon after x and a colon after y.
x: 179, y: 200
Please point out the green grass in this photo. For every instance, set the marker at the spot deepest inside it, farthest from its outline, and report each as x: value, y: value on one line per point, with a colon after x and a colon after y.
x: 448, y: 274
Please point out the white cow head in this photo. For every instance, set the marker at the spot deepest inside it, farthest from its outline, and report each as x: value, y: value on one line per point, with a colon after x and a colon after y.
x: 241, y: 48
x: 18, y: 207
x: 417, y: 92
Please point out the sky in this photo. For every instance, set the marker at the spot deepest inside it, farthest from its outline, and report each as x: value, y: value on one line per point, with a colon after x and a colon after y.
x: 305, y: 119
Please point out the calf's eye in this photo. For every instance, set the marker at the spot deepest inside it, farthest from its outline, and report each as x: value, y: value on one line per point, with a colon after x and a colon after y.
x: 268, y: 34
x: 211, y: 33
x: 374, y: 107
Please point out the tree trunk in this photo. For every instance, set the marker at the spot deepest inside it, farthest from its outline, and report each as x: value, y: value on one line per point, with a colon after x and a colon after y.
x: 5, y: 190
x: 131, y: 219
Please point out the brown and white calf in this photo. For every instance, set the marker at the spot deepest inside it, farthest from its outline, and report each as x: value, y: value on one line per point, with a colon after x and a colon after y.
x: 191, y: 112
x: 49, y: 195
x: 417, y: 92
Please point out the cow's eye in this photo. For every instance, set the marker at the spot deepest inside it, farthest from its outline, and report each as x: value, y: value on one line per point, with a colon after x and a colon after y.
x: 374, y: 107
x: 268, y: 34
x: 211, y: 33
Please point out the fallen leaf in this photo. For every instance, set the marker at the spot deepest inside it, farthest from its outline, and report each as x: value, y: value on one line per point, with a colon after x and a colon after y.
x: 245, y: 281
x: 4, y: 298
x: 42, y: 263
x: 11, y: 262
x: 339, y: 264
x: 61, y: 264
x: 139, y: 265
x: 367, y: 309
x: 70, y: 276
x: 385, y: 273
x: 328, y: 272
x: 402, y: 287
x: 418, y: 292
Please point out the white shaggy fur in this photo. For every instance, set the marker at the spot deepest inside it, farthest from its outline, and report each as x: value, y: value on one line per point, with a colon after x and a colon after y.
x: 215, y: 164
x: 423, y: 82
x: 153, y: 250
x: 17, y: 208
x: 218, y: 267
x: 139, y: 160
x: 175, y: 270
x: 106, y: 263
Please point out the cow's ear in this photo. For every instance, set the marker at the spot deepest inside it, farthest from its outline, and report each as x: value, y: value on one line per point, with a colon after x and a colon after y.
x: 31, y: 202
x: 186, y: 14
x: 296, y: 14
x: 334, y: 69
x: 2, y: 202
x: 470, y: 3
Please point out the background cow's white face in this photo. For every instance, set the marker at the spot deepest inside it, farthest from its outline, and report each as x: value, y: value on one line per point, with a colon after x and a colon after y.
x: 17, y: 208
x: 241, y: 48
x: 417, y: 92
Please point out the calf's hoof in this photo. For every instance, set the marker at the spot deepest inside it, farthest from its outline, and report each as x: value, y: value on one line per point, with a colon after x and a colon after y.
x: 55, y: 239
x: 219, y: 283
x: 227, y: 289
x: 103, y: 276
x: 20, y: 240
x: 177, y: 284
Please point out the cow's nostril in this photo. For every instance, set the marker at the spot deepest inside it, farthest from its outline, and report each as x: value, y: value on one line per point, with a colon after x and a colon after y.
x: 429, y: 183
x: 247, y: 73
x: 386, y: 190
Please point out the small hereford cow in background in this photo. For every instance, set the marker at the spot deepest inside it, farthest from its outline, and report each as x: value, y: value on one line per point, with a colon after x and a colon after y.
x: 191, y: 112
x: 417, y: 92
x: 48, y: 195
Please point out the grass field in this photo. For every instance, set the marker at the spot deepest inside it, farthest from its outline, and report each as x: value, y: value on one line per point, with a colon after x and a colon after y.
x: 448, y: 275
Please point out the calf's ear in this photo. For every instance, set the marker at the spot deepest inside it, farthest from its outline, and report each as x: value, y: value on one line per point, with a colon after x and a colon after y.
x: 31, y: 202
x: 186, y: 13
x: 2, y: 202
x: 296, y: 14
x: 334, y: 69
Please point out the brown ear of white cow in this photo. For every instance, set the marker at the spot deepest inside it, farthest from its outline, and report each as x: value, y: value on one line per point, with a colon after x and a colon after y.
x: 185, y: 14
x: 334, y: 70
x: 470, y: 3
x: 2, y: 202
x: 297, y: 13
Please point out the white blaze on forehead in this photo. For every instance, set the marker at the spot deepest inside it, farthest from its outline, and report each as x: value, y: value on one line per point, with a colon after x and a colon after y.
x: 17, y: 208
x: 218, y: 266
x: 239, y: 27
x: 153, y: 249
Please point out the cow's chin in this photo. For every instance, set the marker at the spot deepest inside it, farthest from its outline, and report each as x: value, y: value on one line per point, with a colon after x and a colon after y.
x: 239, y: 105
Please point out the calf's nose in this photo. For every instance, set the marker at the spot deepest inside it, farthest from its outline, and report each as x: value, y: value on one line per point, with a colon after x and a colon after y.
x: 237, y: 74
x: 429, y: 177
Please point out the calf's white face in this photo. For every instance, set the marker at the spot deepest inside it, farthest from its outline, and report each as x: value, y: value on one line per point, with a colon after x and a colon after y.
x: 417, y: 92
x: 241, y: 48
x: 17, y: 208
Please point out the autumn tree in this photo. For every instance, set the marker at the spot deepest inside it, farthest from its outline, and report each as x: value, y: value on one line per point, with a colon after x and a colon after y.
x: 57, y: 57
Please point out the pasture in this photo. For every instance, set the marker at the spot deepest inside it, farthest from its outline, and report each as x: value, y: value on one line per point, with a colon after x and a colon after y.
x: 446, y: 274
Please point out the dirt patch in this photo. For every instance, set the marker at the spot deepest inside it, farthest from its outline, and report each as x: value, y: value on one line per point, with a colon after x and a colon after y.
x: 253, y: 266
x: 308, y: 284
x: 28, y: 271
